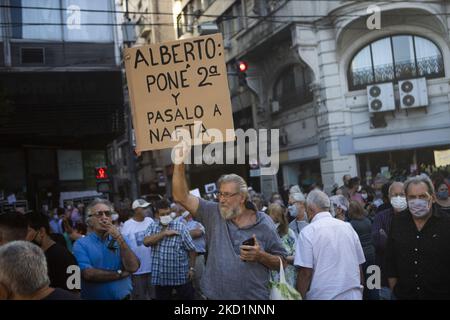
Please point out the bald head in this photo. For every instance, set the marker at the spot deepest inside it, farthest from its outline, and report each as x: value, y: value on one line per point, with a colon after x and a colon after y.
x: 397, y: 189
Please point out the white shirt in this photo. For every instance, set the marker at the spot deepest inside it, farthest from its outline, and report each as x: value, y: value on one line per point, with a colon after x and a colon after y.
x: 332, y: 249
x: 134, y: 231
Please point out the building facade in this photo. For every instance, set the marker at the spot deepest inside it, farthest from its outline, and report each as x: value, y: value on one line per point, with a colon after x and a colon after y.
x: 61, y: 99
x: 147, y: 173
x: 315, y: 69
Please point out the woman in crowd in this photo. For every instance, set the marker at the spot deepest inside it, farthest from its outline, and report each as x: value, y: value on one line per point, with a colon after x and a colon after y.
x: 278, y: 215
x: 363, y: 227
x: 442, y: 197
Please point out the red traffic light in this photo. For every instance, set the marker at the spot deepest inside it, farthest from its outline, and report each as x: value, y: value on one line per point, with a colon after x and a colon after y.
x: 242, y: 66
x: 100, y: 173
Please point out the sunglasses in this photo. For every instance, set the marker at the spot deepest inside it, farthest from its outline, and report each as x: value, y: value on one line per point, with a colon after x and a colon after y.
x: 101, y: 213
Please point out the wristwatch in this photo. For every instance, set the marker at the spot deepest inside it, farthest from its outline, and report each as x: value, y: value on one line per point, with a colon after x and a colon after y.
x: 119, y: 272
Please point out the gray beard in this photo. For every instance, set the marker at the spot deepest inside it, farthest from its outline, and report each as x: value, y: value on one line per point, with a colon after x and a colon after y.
x: 230, y: 213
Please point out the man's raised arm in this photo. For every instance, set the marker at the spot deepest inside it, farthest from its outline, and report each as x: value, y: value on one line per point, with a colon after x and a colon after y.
x: 180, y: 190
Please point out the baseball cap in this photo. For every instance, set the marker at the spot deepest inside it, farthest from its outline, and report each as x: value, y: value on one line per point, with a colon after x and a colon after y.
x: 140, y: 203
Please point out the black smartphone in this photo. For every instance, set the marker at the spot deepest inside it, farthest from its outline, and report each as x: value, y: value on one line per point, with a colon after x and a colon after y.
x: 249, y: 242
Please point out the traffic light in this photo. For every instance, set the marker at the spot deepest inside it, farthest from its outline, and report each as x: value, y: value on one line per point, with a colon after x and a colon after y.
x: 242, y: 68
x: 102, y: 179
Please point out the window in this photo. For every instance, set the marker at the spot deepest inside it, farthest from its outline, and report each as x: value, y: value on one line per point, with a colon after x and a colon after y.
x: 292, y: 87
x: 65, y: 20
x: 395, y: 58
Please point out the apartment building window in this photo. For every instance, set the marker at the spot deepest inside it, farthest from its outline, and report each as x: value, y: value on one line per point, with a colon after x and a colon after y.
x: 293, y: 87
x: 231, y: 22
x: 62, y: 20
x: 180, y: 25
x: 395, y: 58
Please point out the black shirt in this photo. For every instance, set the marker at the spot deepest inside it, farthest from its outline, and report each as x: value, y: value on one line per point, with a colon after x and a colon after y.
x: 59, y: 294
x: 420, y: 260
x: 58, y: 260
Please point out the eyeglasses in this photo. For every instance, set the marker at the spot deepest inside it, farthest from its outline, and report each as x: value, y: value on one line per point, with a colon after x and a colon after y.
x: 226, y: 195
x: 101, y: 213
x: 424, y: 196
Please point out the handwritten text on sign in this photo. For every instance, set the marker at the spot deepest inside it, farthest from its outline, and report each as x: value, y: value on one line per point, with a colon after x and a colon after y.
x: 174, y: 84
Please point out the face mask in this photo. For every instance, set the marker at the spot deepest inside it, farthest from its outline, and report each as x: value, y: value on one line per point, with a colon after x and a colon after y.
x: 35, y: 240
x: 364, y: 196
x: 173, y: 215
x: 185, y: 214
x: 114, y: 216
x: 165, y: 220
x: 293, y: 211
x: 442, y: 195
x: 399, y: 203
x: 418, y: 207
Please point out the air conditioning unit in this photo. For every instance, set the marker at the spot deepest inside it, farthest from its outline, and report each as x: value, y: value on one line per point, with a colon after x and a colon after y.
x: 381, y: 97
x: 413, y: 93
x: 275, y: 106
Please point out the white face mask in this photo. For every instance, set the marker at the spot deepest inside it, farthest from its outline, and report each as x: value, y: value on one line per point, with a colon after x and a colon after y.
x: 185, y: 214
x: 173, y: 215
x: 399, y: 203
x: 165, y: 220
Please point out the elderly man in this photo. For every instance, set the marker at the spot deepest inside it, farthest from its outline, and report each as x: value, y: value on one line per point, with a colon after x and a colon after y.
x: 297, y: 210
x: 339, y: 207
x: 173, y: 255
x: 13, y: 226
x: 329, y: 255
x: 134, y: 230
x: 233, y: 270
x: 380, y: 229
x: 105, y: 259
x: 23, y: 274
x: 418, y: 247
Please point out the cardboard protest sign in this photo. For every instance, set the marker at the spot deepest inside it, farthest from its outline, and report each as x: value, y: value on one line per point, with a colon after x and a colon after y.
x: 174, y: 84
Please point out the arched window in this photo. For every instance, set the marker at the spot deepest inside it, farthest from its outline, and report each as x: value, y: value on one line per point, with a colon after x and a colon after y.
x: 395, y: 58
x: 292, y: 87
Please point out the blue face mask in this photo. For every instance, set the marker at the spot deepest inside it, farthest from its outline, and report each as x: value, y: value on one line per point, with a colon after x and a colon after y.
x: 442, y: 195
x: 293, y: 210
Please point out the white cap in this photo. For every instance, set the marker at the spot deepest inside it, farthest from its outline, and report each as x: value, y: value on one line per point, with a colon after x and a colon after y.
x: 140, y: 203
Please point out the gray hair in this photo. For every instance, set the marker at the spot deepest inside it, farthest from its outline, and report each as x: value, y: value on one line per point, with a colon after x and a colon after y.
x: 420, y: 179
x: 298, y: 197
x: 23, y: 267
x: 95, y: 202
x: 340, y: 201
x: 227, y: 178
x: 319, y: 199
x: 295, y: 189
x: 395, y: 183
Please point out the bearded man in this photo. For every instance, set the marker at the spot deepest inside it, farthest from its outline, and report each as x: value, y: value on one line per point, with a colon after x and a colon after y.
x: 234, y: 271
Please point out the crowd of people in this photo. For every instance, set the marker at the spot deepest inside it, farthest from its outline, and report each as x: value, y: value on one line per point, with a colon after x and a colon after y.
x: 230, y: 246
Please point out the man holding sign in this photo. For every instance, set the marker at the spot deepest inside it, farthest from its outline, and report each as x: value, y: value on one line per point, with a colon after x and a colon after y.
x: 243, y: 244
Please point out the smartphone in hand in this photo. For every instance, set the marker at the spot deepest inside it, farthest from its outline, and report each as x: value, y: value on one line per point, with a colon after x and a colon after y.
x: 249, y: 242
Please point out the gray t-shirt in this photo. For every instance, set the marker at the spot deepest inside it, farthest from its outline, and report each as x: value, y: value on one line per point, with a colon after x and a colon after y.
x: 297, y: 226
x: 226, y: 276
